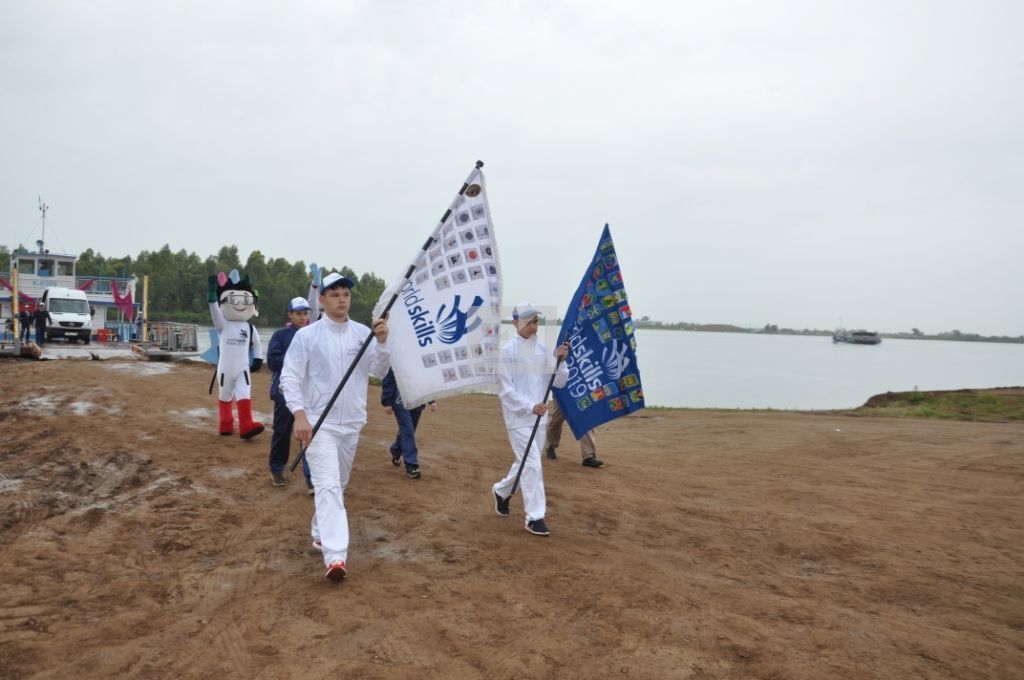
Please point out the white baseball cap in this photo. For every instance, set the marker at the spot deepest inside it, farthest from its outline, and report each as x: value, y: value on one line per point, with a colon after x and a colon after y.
x: 298, y: 304
x: 336, y: 279
x: 524, y: 310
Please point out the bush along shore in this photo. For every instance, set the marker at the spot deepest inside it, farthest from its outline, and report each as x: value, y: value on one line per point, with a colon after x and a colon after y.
x: 997, y: 405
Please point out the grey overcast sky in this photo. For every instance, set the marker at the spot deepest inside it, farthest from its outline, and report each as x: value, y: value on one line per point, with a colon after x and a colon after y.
x: 792, y: 162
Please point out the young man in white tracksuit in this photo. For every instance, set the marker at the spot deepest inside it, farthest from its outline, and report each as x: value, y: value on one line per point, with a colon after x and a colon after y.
x: 317, y: 358
x: 524, y: 372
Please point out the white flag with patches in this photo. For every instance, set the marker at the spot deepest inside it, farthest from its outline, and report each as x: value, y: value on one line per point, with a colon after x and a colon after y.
x: 444, y: 324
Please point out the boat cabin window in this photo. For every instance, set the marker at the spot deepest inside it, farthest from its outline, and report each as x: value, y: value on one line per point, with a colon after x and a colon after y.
x: 45, y: 268
x: 27, y: 266
x: 65, y: 269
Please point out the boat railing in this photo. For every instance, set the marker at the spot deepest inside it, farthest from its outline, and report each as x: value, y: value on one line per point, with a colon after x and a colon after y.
x: 174, y: 337
x: 103, y: 284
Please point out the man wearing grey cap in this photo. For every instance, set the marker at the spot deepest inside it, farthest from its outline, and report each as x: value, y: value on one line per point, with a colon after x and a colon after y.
x: 280, y: 442
x: 524, y: 372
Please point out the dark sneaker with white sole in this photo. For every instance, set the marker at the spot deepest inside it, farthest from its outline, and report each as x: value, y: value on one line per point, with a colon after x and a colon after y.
x: 538, y: 528
x: 278, y: 479
x: 396, y: 458
x: 593, y: 462
x: 500, y: 505
x: 412, y: 472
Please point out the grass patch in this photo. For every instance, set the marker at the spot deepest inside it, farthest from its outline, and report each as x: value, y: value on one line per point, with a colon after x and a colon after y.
x: 999, y: 405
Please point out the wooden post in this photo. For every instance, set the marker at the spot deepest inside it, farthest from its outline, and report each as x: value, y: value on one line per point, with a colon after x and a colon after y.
x: 145, y: 308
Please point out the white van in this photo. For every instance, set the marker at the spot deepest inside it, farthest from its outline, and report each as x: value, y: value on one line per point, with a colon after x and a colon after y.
x: 69, y: 314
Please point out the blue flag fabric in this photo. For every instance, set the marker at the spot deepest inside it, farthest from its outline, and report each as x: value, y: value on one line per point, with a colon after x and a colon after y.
x: 604, y: 378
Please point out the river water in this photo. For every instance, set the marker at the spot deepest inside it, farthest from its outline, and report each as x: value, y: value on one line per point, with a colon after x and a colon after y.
x: 752, y: 370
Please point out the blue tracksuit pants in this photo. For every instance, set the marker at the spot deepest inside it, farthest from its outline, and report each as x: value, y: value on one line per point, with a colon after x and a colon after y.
x: 280, y: 440
x: 405, y: 440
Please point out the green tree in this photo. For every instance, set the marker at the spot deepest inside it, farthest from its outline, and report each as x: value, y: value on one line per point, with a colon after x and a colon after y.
x: 90, y: 264
x: 178, y: 280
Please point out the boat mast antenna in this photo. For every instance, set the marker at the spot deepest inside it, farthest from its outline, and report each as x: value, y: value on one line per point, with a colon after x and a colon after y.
x: 42, y: 208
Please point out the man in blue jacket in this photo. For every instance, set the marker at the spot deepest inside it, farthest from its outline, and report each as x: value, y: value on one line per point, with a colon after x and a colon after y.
x: 404, y: 446
x: 280, y: 441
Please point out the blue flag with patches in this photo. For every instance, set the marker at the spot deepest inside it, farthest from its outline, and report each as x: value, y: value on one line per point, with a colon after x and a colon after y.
x: 604, y: 378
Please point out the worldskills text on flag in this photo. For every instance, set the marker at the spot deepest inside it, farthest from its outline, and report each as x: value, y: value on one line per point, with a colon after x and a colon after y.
x: 604, y: 379
x: 442, y: 329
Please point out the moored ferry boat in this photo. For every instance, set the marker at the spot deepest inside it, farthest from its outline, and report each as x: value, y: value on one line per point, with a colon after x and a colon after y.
x: 111, y: 299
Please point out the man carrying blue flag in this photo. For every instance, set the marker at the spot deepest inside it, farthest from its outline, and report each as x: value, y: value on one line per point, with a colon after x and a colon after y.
x: 524, y: 372
x: 604, y: 378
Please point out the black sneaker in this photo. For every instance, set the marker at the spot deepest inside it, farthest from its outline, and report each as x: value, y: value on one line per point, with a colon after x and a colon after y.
x: 278, y: 479
x: 412, y: 472
x: 396, y: 458
x: 593, y: 462
x: 500, y: 505
x: 537, y: 528
x: 551, y: 453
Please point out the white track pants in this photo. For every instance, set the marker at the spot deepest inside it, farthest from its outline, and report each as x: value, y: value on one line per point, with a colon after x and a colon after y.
x: 330, y: 457
x: 532, y: 481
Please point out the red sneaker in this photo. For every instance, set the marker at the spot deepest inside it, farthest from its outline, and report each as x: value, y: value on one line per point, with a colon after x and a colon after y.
x: 336, y: 571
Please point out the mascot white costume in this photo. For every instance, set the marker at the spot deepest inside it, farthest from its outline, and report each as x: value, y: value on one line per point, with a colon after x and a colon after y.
x: 232, y: 305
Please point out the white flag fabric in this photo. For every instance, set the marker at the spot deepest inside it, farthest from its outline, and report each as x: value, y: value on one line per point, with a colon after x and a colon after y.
x: 444, y: 324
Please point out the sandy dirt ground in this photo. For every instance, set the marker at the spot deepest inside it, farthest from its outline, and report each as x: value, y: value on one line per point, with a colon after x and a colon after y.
x: 135, y: 542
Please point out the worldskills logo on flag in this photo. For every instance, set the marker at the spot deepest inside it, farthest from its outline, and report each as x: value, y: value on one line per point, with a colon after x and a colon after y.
x: 604, y: 378
x: 444, y: 324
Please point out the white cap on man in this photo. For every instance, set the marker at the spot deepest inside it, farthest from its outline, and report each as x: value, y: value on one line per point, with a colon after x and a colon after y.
x: 525, y: 311
x: 298, y: 304
x: 335, y: 279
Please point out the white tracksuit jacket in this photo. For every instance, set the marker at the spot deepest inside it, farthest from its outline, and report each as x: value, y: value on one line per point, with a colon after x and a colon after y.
x: 317, y: 359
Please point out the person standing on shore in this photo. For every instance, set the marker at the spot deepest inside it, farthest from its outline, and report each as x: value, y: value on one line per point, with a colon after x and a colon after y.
x: 318, y: 358
x: 41, y: 316
x: 523, y: 373
x: 280, y: 440
x: 26, y: 324
x: 553, y: 436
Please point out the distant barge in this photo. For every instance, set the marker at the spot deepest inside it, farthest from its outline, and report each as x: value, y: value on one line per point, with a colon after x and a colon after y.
x: 856, y: 337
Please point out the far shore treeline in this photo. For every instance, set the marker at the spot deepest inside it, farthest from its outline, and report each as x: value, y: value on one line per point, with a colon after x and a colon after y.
x: 177, y: 281
x: 177, y: 290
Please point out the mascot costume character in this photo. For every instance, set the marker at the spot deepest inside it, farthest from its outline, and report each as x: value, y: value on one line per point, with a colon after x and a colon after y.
x: 232, y: 305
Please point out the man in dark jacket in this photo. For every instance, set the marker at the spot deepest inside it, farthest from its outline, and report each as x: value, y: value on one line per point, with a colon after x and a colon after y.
x: 26, y: 323
x: 41, y: 317
x: 404, y: 446
x: 280, y: 441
